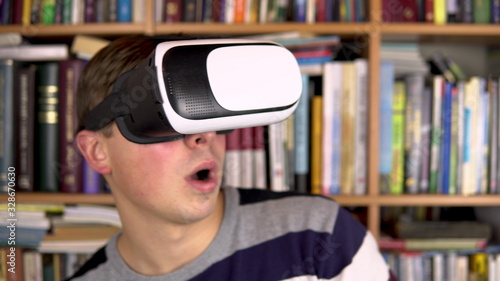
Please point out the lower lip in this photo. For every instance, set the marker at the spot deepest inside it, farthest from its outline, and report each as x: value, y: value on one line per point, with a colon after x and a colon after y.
x: 207, y: 186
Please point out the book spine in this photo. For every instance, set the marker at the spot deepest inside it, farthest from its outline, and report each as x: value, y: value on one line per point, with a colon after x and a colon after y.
x: 397, y: 154
x: 316, y: 143
x: 440, y: 12
x: 91, y: 182
x: 26, y: 16
x: 247, y: 173
x: 481, y: 11
x: 233, y: 159
x: 330, y: 73
x: 124, y: 11
x: 26, y: 132
x: 70, y: 158
x: 48, y: 126
x: 483, y: 152
x: 426, y: 132
x: 446, y: 113
x: 302, y: 138
x: 460, y: 135
x: 414, y: 92
x: 260, y: 165
x: 497, y: 144
x: 6, y: 121
x: 90, y: 11
x: 173, y: 11
x: 429, y: 11
x: 438, y: 84
x: 336, y: 139
x: 348, y: 127
x: 277, y: 156
x: 455, y: 115
x: 66, y: 11
x: 48, y: 11
x: 386, y: 117
x: 360, y: 157
x: 495, y: 11
x: 189, y: 10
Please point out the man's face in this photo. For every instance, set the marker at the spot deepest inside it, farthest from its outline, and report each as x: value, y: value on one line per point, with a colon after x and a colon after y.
x: 175, y: 181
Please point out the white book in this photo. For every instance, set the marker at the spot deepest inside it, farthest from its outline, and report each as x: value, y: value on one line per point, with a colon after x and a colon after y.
x: 332, y: 127
x: 38, y: 52
x: 138, y: 7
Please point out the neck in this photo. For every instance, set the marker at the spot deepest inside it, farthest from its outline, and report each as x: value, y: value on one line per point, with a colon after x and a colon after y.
x: 165, y: 247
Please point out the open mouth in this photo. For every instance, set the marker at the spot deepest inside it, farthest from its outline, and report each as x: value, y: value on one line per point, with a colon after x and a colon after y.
x: 202, y: 175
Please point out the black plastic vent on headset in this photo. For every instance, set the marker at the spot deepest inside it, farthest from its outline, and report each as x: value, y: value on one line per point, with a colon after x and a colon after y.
x: 193, y: 96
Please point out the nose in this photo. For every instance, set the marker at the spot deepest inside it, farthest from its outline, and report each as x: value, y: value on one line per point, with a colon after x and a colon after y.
x: 200, y: 139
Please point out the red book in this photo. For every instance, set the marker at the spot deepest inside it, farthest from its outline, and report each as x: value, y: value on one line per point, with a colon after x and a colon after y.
x: 70, y: 158
x: 173, y: 10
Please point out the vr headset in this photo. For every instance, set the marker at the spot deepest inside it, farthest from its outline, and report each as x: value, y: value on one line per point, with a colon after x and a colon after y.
x: 195, y: 86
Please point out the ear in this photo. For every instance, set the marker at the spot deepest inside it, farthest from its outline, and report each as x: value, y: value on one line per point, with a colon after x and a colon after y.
x: 93, y: 149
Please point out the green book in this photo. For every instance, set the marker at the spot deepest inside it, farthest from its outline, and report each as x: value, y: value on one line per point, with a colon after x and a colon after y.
x: 398, y: 138
x: 47, y: 90
x: 437, y: 132
x: 48, y: 11
x: 481, y: 11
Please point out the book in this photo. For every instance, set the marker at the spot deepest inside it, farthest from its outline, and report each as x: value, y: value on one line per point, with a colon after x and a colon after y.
x: 431, y: 244
x: 70, y: 159
x: 481, y: 10
x: 26, y: 130
x: 348, y: 127
x: 85, y: 47
x: 397, y: 141
x: 47, y: 122
x: 246, y: 160
x: 233, y: 159
x: 414, y: 92
x: 7, y: 114
x: 316, y: 143
x: 302, y: 137
x: 259, y: 153
x: 437, y: 84
x: 360, y: 150
x: 331, y: 127
x: 386, y: 93
x: 124, y: 10
x: 38, y: 52
x: 493, y: 187
x: 444, y: 229
x: 426, y: 136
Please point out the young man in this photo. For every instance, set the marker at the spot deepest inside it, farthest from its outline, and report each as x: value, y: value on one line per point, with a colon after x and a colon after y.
x: 181, y: 225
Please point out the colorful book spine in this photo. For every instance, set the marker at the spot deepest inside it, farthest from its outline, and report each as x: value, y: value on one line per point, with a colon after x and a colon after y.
x: 397, y: 154
x: 460, y: 135
x: 332, y: 73
x: 438, y: 85
x: 414, y: 92
x: 48, y: 127
x: 455, y: 115
x: 481, y: 11
x: 336, y: 140
x: 386, y: 117
x: 426, y: 132
x: 70, y: 158
x: 483, y: 133
x: 444, y: 169
x: 48, y: 11
x: 302, y: 134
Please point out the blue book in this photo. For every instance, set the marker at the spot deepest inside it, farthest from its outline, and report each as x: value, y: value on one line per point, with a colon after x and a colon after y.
x: 301, y: 123
x: 124, y: 11
x: 385, y: 124
x: 446, y: 140
x: 300, y: 10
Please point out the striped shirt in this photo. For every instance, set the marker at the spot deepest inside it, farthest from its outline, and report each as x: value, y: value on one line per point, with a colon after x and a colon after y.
x: 265, y: 236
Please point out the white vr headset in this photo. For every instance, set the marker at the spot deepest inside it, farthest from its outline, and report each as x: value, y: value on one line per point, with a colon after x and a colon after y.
x: 195, y: 86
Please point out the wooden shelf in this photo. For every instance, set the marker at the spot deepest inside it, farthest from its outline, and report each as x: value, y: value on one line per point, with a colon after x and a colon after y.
x: 108, y: 29
x: 61, y: 198
x: 419, y: 200
x: 362, y: 201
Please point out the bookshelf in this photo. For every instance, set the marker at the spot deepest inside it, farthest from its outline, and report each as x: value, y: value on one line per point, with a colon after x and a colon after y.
x: 369, y: 35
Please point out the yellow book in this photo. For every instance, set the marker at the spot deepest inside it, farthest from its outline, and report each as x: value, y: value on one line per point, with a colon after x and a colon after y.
x: 440, y: 12
x: 26, y: 16
x: 316, y: 143
x: 398, y: 138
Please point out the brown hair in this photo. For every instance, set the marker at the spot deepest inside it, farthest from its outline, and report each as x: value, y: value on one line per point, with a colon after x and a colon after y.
x: 98, y: 77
